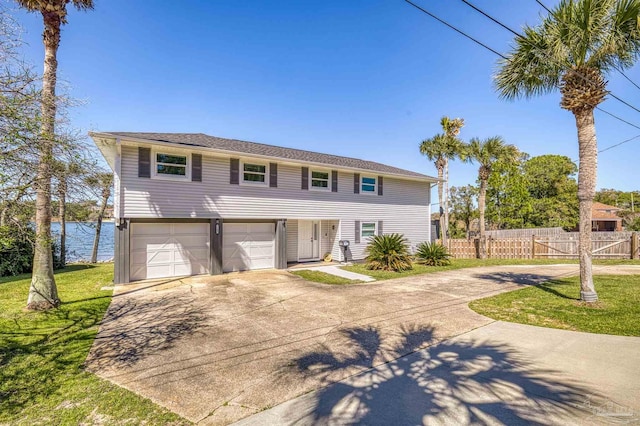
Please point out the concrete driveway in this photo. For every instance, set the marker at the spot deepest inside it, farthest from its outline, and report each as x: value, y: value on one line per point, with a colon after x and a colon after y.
x: 218, y: 349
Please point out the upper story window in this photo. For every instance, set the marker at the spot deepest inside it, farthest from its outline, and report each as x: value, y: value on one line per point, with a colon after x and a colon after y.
x: 368, y: 229
x: 368, y: 185
x: 254, y: 173
x: 320, y: 180
x: 171, y: 165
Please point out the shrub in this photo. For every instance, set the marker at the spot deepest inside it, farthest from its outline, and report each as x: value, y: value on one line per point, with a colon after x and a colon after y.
x: 432, y: 254
x: 388, y: 252
x: 16, y: 250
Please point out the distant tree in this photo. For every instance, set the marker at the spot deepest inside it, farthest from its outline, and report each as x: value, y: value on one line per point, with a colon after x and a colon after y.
x: 43, y: 293
x: 102, y: 183
x: 63, y: 173
x: 572, y: 50
x: 487, y: 153
x: 440, y: 149
x: 451, y: 128
x: 463, y: 206
x: 554, y: 191
x: 509, y: 203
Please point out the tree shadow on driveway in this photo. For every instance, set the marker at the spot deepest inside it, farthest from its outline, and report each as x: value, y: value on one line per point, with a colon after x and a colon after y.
x: 136, y: 327
x: 453, y: 382
x: 514, y: 278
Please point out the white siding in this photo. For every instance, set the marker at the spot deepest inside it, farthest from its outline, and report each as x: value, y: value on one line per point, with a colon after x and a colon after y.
x: 404, y: 207
x: 292, y: 240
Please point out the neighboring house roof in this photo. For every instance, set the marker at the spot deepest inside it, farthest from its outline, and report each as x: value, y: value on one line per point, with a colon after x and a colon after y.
x: 263, y: 150
x: 600, y: 211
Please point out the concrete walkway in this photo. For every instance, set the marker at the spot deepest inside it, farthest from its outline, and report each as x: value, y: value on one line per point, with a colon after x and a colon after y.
x: 338, y: 271
x: 218, y: 349
x: 501, y: 373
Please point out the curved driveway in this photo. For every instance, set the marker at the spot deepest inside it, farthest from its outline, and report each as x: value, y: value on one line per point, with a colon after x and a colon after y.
x: 218, y: 349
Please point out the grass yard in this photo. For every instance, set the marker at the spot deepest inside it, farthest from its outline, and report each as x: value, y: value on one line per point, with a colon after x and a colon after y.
x: 323, y: 277
x: 42, y: 380
x: 418, y: 269
x: 556, y: 304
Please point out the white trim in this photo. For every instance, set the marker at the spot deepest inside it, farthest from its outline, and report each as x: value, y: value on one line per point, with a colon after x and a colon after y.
x: 375, y: 185
x: 319, y: 188
x: 375, y: 229
x: 174, y: 152
x: 253, y: 163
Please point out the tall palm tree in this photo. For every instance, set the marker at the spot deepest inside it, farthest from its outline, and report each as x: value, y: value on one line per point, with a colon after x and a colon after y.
x: 440, y: 149
x: 451, y: 127
x: 43, y: 293
x: 486, y: 153
x: 572, y: 50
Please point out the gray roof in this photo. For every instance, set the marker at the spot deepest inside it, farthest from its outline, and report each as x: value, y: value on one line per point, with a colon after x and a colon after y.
x: 244, y: 147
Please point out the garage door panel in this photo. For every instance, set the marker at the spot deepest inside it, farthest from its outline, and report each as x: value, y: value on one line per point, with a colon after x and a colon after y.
x: 248, y: 246
x: 160, y: 250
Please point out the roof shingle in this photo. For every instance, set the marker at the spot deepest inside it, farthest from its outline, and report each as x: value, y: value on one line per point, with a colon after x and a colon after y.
x: 253, y: 148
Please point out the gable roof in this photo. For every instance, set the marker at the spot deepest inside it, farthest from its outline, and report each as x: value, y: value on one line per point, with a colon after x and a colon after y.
x: 258, y: 149
x: 600, y: 211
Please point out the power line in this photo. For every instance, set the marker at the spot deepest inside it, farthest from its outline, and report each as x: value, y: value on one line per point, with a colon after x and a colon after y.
x: 455, y: 29
x: 618, y: 144
x: 618, y: 118
x: 544, y: 7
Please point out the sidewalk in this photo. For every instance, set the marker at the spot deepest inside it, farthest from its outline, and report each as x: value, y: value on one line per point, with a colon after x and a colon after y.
x: 336, y: 270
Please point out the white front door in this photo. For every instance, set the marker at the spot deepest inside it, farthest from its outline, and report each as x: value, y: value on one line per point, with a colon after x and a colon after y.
x: 308, y: 239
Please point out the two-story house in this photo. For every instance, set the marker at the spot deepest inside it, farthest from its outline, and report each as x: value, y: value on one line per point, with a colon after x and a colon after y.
x: 187, y: 204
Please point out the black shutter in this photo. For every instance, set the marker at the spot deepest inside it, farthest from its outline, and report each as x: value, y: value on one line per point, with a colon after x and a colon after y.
x: 379, y: 227
x: 196, y: 167
x: 334, y: 181
x: 380, y: 184
x: 273, y: 175
x: 234, y: 177
x: 305, y: 178
x: 357, y: 230
x: 144, y: 162
x: 356, y: 183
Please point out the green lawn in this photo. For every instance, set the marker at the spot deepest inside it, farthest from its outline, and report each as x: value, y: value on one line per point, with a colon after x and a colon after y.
x: 42, y: 380
x: 418, y: 269
x: 556, y: 304
x: 323, y: 277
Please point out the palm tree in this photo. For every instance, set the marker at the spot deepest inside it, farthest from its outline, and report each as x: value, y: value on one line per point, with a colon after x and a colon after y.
x: 440, y: 149
x: 451, y: 127
x: 572, y: 50
x: 486, y: 153
x: 43, y: 293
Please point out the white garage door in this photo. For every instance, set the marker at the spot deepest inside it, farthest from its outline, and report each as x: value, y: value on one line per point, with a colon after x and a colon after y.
x: 247, y: 246
x: 160, y: 250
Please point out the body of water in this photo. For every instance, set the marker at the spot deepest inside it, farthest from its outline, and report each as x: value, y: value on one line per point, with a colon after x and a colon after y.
x: 80, y: 237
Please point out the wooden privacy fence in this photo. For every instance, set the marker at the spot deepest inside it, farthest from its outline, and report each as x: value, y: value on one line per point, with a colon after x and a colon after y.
x: 605, y: 245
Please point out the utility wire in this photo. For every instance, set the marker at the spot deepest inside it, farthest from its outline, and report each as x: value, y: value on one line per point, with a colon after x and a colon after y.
x: 544, y: 7
x: 455, y: 29
x: 618, y: 144
x: 618, y: 118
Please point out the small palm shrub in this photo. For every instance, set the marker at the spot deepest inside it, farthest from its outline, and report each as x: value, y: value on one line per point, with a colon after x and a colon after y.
x: 388, y: 252
x: 432, y: 254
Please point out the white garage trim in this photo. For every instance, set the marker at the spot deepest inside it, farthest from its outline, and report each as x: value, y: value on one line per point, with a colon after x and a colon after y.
x: 247, y: 246
x: 166, y: 249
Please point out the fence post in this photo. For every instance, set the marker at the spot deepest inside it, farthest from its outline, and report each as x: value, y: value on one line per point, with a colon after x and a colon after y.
x: 533, y: 246
x: 634, y: 244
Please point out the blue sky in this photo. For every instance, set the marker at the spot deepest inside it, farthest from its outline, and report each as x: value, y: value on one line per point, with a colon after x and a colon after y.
x: 360, y: 78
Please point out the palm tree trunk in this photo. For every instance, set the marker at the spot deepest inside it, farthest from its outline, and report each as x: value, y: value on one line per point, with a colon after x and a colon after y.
x: 588, y: 157
x: 43, y: 293
x: 482, y: 244
x: 440, y: 184
x: 62, y: 214
x: 445, y: 232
